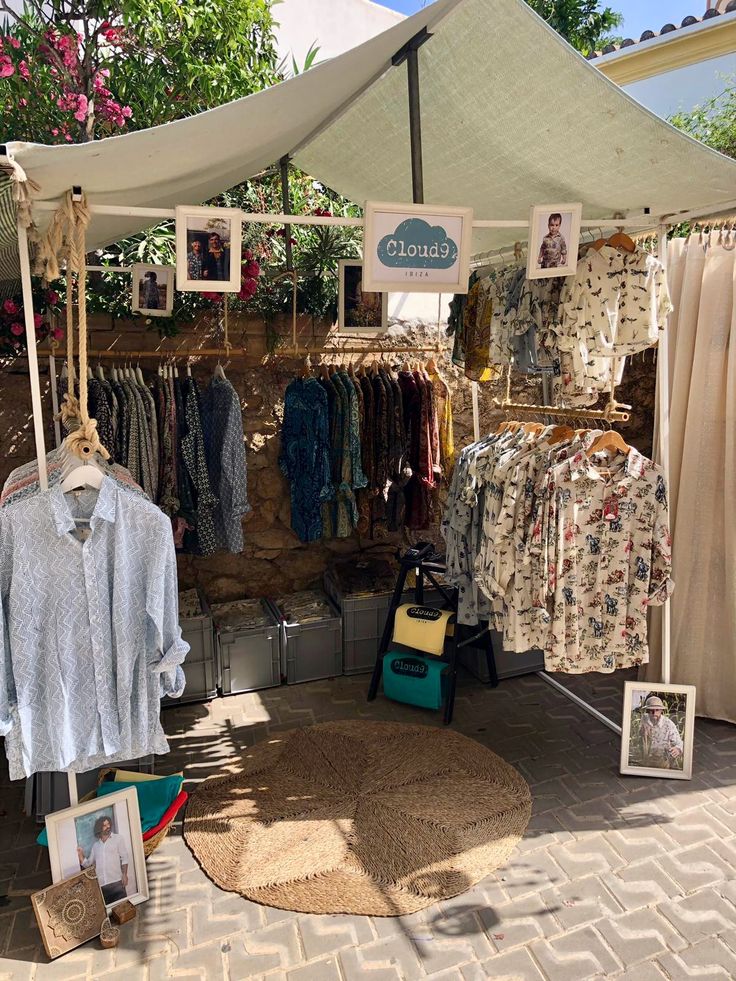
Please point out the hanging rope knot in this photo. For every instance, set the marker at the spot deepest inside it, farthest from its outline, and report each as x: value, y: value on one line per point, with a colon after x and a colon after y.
x: 85, y: 441
x: 69, y: 412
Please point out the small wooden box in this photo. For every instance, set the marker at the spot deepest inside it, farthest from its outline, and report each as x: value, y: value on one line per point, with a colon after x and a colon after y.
x: 122, y: 912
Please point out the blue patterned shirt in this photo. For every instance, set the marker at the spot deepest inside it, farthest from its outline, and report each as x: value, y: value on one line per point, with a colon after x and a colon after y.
x: 90, y: 639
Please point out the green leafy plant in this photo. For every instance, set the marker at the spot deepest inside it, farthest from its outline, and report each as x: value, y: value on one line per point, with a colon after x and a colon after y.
x: 714, y: 122
x: 585, y: 24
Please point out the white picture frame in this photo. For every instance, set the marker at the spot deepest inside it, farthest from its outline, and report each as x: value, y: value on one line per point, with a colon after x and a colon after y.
x: 74, y: 828
x: 358, y: 310
x: 416, y: 248
x: 197, y: 225
x: 144, y: 276
x: 570, y: 219
x: 639, y: 753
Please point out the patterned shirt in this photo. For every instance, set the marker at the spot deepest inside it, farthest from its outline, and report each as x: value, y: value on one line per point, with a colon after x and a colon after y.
x: 657, y: 739
x: 605, y: 552
x: 90, y: 640
x: 553, y: 252
x: 222, y: 420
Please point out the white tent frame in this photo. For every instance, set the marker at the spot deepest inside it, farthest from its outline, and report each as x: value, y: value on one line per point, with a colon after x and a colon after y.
x: 642, y: 224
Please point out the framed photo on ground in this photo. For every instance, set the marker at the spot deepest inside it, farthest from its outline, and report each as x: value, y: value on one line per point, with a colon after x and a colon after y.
x: 658, y: 730
x: 416, y: 248
x: 104, y: 834
x: 208, y: 250
x: 153, y: 290
x: 358, y: 309
x: 554, y: 239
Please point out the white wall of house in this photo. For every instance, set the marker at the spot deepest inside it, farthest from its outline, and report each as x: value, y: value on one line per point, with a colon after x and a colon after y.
x: 335, y: 25
x: 684, y: 88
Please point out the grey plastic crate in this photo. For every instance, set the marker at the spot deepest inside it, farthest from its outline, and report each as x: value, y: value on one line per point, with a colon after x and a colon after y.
x: 200, y: 665
x: 48, y: 792
x: 249, y: 658
x: 311, y: 651
x: 363, y: 620
x: 508, y: 664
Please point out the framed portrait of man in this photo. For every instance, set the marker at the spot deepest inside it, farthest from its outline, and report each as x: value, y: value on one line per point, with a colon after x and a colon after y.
x: 658, y: 729
x: 209, y: 250
x: 104, y: 834
x: 358, y: 309
x: 153, y: 290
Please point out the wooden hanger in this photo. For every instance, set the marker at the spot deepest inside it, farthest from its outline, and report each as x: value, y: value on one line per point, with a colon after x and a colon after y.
x: 610, y: 441
x: 560, y: 433
x: 622, y: 241
x: 431, y: 366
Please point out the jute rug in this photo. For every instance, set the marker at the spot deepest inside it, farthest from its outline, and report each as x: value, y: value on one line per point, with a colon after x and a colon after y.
x: 372, y: 818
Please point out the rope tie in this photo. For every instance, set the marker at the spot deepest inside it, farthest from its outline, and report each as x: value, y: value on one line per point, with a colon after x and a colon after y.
x: 226, y: 342
x: 67, y: 234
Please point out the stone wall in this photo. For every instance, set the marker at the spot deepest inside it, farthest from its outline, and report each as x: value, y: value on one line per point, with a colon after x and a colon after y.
x: 274, y: 560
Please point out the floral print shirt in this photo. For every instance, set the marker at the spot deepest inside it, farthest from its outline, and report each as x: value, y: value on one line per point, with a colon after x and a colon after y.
x: 604, y: 552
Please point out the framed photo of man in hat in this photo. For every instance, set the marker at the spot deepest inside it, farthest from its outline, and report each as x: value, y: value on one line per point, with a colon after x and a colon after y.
x: 658, y: 729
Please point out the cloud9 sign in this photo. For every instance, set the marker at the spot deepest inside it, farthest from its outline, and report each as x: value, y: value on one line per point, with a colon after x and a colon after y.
x: 416, y: 248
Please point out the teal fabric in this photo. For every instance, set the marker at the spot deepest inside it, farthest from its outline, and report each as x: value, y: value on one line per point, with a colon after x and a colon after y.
x: 155, y: 797
x: 414, y: 679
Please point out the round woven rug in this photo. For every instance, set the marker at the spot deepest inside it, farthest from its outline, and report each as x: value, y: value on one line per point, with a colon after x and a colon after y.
x: 373, y: 818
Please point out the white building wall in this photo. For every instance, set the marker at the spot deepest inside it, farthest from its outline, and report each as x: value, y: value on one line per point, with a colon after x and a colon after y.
x: 685, y: 88
x: 334, y: 25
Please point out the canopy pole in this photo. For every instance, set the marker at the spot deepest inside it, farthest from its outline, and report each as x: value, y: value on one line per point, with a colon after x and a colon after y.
x: 410, y: 54
x: 286, y: 205
x: 25, y: 277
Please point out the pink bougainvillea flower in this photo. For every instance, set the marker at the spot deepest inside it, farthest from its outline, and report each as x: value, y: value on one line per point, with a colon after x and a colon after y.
x: 68, y: 138
x: 23, y: 71
x: 82, y: 105
x: 52, y: 297
x: 252, y: 269
x: 248, y: 289
x: 247, y: 255
x: 10, y: 308
x: 23, y: 103
x: 37, y: 319
x: 7, y: 68
x: 57, y: 333
x: 54, y: 132
x: 212, y: 297
x: 13, y: 42
x: 16, y: 329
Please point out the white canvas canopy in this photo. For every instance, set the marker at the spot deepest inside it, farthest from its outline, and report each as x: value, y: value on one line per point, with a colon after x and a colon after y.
x: 511, y: 116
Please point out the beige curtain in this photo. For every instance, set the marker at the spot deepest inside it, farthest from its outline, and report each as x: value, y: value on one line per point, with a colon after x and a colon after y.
x: 702, y: 374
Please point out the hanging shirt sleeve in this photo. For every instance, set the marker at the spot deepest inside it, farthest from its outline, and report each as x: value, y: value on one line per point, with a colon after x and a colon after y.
x: 660, y: 581
x: 162, y: 606
x: 7, y: 684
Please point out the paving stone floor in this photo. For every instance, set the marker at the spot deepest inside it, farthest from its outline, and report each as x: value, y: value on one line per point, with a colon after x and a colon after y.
x: 617, y: 877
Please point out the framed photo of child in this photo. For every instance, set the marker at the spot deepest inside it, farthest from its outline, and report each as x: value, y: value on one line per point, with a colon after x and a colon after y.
x: 658, y: 729
x: 153, y: 290
x: 208, y: 249
x: 554, y: 238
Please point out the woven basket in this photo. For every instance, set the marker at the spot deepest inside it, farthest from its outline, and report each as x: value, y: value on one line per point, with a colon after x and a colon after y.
x: 151, y: 844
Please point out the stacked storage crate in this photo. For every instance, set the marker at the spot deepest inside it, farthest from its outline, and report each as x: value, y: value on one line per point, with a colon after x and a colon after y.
x: 248, y: 645
x: 311, y: 637
x: 200, y: 666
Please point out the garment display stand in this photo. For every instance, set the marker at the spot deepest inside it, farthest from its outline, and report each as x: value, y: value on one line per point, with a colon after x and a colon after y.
x: 425, y: 563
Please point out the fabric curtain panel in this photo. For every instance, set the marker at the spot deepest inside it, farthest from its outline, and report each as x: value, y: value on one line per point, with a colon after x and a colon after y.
x: 702, y: 374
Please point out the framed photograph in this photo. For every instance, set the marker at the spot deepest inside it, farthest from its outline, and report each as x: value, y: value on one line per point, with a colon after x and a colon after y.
x: 69, y: 913
x: 554, y: 239
x: 357, y: 309
x: 104, y: 834
x: 416, y: 248
x: 208, y: 250
x: 153, y: 290
x: 658, y: 728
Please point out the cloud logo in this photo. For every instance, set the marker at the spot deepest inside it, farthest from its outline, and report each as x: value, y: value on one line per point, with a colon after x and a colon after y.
x: 418, y: 245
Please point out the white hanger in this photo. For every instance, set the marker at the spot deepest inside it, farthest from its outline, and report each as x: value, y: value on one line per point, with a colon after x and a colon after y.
x: 189, y: 368
x: 160, y: 370
x: 114, y: 374
x: 100, y: 372
x: 84, y: 475
x: 176, y: 372
x: 89, y: 374
x: 139, y: 375
x: 219, y: 372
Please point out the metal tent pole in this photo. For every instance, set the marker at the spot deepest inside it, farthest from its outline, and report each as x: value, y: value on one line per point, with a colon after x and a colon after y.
x: 410, y: 54
x: 286, y: 205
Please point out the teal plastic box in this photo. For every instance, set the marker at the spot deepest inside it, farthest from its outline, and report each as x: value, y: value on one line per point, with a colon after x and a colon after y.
x: 414, y: 679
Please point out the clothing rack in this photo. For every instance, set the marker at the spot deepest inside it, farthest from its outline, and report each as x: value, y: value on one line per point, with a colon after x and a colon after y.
x: 611, y: 413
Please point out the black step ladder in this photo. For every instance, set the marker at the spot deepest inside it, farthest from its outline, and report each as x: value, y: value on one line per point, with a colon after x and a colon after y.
x: 428, y: 564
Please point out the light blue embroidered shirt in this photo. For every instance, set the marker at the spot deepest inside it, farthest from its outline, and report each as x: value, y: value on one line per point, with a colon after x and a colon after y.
x: 90, y: 637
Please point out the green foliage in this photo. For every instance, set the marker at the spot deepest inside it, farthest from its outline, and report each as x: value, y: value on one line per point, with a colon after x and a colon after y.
x: 583, y: 23
x: 713, y: 123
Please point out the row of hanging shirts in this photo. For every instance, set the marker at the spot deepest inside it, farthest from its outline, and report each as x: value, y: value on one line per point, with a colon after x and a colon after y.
x: 579, y: 330
x: 184, y: 447
x: 365, y: 449
x: 559, y: 538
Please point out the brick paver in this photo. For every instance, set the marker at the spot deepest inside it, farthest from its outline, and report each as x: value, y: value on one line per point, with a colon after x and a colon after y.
x: 617, y: 877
